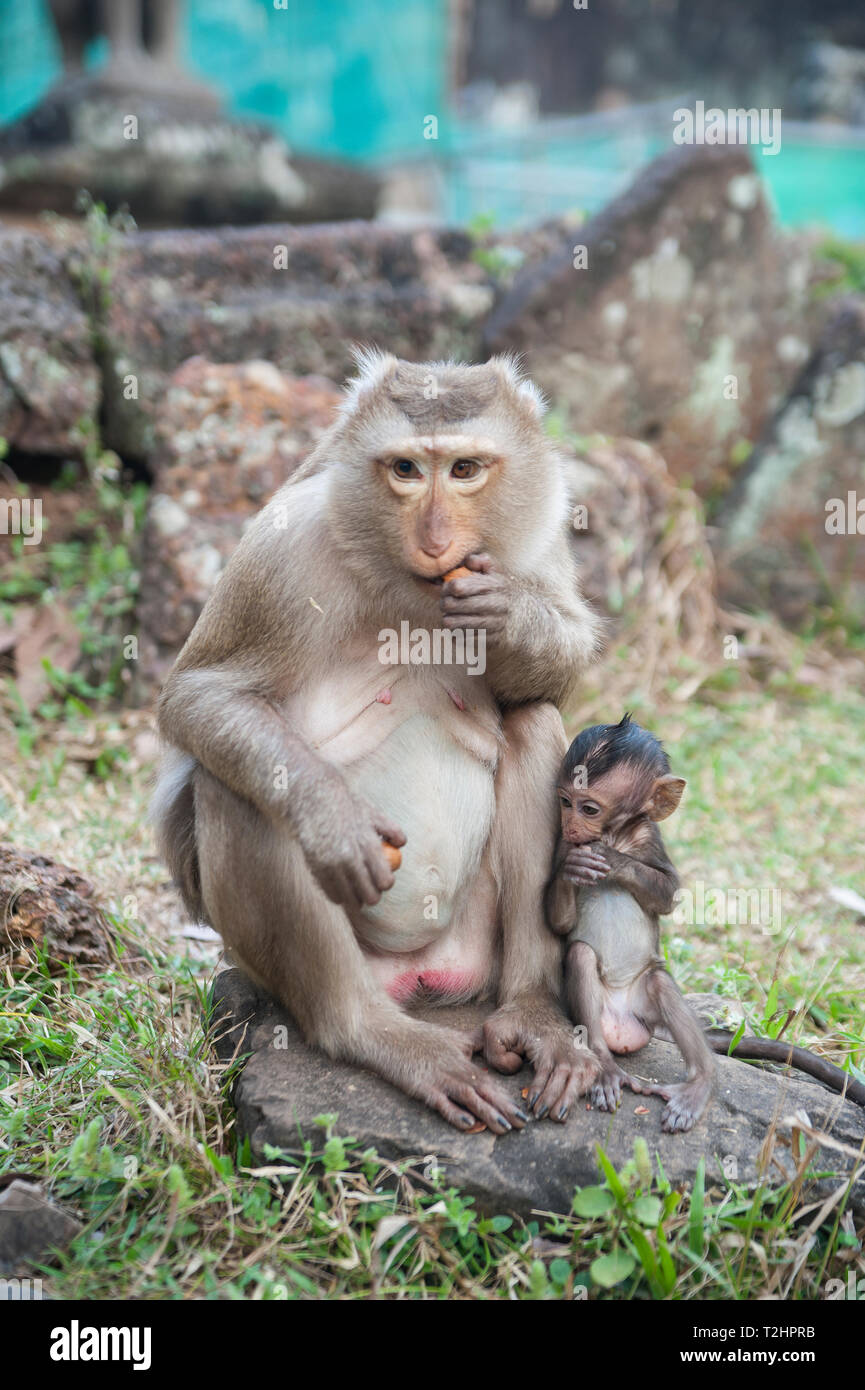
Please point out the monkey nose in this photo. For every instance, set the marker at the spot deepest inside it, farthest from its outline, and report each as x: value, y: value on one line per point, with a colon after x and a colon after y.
x: 435, y: 549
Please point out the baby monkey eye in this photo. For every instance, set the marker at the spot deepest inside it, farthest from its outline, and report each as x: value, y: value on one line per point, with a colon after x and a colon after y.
x: 564, y: 800
x: 405, y: 468
x: 589, y: 808
x: 465, y: 468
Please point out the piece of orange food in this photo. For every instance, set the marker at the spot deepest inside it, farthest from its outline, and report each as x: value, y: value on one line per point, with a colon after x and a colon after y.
x: 391, y: 854
x: 461, y: 572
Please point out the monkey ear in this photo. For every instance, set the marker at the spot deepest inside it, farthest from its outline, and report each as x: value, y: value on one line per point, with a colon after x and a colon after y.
x: 373, y: 369
x: 509, y: 367
x: 664, y: 797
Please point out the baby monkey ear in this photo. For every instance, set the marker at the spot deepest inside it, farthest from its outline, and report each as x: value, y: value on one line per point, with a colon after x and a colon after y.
x: 664, y: 797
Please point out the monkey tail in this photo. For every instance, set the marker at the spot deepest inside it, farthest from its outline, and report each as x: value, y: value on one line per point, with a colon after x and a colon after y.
x: 172, y: 812
x: 771, y: 1050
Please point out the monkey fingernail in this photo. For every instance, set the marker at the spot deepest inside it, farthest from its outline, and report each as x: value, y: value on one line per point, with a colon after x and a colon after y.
x: 522, y: 1116
x: 543, y: 1111
x: 563, y: 1113
x: 506, y: 1124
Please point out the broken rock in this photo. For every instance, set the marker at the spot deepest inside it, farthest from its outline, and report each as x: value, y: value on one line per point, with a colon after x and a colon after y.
x: 744, y: 1134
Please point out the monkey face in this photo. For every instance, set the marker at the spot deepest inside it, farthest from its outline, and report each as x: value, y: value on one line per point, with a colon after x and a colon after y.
x: 621, y: 798
x: 437, y: 461
x: 584, y: 815
x: 436, y: 484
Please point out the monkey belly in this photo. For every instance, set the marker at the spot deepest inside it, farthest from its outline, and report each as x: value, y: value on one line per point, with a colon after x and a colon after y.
x: 442, y: 797
x: 623, y: 1031
x: 622, y: 937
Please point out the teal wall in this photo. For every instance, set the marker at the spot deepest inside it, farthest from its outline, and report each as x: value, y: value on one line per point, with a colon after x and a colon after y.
x: 350, y: 77
x: 356, y: 78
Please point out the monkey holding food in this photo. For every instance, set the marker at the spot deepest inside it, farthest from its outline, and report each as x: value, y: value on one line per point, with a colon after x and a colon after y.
x: 611, y: 881
x: 298, y: 772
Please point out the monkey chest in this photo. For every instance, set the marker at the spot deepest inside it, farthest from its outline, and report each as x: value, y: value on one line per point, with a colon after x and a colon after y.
x: 619, y: 932
x: 353, y: 710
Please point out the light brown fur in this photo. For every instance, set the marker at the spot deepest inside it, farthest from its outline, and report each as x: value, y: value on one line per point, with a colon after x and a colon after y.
x: 287, y: 767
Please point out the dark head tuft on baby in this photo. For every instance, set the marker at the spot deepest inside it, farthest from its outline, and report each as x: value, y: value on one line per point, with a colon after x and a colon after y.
x: 603, y: 746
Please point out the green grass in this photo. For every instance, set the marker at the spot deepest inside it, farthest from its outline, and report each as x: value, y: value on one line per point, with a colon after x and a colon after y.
x: 111, y: 1096
x: 112, y: 1099
x: 93, y: 573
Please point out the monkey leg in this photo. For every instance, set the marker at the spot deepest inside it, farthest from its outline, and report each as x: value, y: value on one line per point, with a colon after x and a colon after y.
x: 588, y: 1005
x: 529, y: 1020
x: 686, y: 1100
x: 263, y: 900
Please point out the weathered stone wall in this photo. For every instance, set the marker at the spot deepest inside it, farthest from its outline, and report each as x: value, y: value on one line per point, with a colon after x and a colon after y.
x: 683, y: 319
x: 49, y: 380
x: 678, y: 314
x: 227, y: 439
x: 299, y: 297
x: 791, y: 533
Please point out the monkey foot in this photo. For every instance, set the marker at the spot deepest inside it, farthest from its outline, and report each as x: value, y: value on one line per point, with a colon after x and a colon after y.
x: 606, y: 1093
x: 562, y: 1071
x: 685, y: 1104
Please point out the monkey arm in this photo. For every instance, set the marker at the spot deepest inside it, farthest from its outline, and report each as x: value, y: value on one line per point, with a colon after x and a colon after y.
x: 238, y: 736
x: 546, y: 644
x: 654, y: 883
x: 539, y: 636
x: 559, y: 905
x: 530, y: 1021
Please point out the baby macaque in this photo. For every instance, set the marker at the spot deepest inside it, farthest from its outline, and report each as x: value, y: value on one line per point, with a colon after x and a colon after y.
x: 611, y: 881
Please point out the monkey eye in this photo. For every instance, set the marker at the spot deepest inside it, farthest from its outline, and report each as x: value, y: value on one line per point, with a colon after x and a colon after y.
x: 589, y: 808
x: 464, y: 469
x: 564, y: 800
x: 406, y: 468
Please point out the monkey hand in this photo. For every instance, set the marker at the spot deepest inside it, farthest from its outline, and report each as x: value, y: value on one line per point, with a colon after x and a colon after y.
x: 341, y: 837
x: 585, y: 864
x: 481, y: 599
x: 562, y: 1069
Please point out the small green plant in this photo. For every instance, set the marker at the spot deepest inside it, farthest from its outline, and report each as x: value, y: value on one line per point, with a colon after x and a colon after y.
x: 94, y: 571
x: 95, y: 267
x: 848, y: 260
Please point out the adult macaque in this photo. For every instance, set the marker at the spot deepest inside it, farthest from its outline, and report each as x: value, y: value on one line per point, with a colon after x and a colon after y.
x: 296, y: 753
x: 611, y: 881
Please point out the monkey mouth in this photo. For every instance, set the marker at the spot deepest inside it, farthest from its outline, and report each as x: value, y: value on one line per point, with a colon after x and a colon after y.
x: 437, y: 580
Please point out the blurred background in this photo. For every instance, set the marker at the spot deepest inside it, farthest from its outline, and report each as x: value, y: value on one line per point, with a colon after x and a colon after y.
x: 540, y: 107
